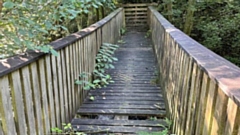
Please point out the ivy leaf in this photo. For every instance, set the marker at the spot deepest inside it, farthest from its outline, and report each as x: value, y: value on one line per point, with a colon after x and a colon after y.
x: 111, y: 66
x: 94, y: 5
x: 86, y: 87
x: 96, y: 81
x: 8, y: 4
x: 85, y: 11
x: 54, y: 52
x: 92, y: 98
x: 115, y: 59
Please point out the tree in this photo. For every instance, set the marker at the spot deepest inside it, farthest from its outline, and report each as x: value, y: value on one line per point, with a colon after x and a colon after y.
x: 189, y: 17
x: 32, y: 24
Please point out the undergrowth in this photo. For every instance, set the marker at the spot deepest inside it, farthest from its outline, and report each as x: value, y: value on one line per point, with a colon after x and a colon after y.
x: 99, y: 78
x: 165, y: 131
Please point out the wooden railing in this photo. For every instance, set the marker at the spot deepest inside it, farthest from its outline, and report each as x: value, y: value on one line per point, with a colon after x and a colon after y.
x: 37, y: 90
x: 136, y: 14
x: 202, y: 89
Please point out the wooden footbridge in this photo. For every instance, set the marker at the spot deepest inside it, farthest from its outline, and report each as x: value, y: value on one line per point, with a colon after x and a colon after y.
x: 197, y: 89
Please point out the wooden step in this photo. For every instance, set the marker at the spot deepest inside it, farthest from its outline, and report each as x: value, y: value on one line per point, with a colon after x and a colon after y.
x: 92, y: 129
x: 117, y: 126
x: 124, y: 106
x: 122, y: 102
x: 130, y: 112
x: 136, y: 123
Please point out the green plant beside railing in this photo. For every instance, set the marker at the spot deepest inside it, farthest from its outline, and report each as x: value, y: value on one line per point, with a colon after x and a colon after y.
x: 99, y: 78
x: 165, y: 131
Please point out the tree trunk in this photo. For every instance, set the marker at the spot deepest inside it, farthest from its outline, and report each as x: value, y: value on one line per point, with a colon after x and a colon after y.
x: 189, y: 17
x: 1, y: 5
x: 169, y: 10
x: 90, y: 16
x: 103, y: 13
x: 97, y: 13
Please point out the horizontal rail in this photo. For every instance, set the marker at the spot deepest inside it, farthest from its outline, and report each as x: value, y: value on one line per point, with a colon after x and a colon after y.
x: 140, y: 5
x: 136, y: 14
x: 202, y: 89
x: 135, y: 9
x: 38, y: 91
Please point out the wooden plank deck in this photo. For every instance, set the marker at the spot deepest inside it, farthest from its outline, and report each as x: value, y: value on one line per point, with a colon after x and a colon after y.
x: 134, y: 98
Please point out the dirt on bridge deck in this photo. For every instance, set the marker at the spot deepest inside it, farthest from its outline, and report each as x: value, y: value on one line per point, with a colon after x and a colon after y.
x: 132, y: 104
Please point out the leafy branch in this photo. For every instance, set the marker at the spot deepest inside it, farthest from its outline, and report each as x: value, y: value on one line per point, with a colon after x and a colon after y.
x: 100, y: 78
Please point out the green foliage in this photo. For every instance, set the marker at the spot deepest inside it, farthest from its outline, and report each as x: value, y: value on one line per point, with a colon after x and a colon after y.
x: 153, y: 118
x: 31, y: 25
x: 104, y: 60
x: 85, y: 81
x: 219, y: 30
x: 215, y: 24
x: 67, y: 129
x: 122, y: 31
x: 165, y: 131
x: 148, y: 34
x: 121, y: 42
x: 92, y: 98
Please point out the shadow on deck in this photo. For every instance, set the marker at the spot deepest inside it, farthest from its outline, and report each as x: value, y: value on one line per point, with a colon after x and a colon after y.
x: 130, y: 104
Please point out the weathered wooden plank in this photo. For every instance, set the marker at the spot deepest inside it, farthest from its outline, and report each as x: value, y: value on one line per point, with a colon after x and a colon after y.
x: 202, y: 104
x: 70, y: 82
x: 136, y: 21
x: 233, y: 118
x: 81, y: 53
x: 17, y: 97
x: 27, y: 90
x: 55, y: 91
x: 140, y: 5
x: 134, y: 85
x: 133, y: 94
x: 123, y: 106
x: 73, y: 95
x: 64, y: 81
x: 114, y: 129
x: 1, y: 131
x: 60, y: 87
x: 85, y: 57
x: 6, y: 113
x: 101, y: 101
x: 87, y: 53
x: 185, y: 94
x: 142, y: 24
x: 36, y: 98
x: 135, y: 17
x: 160, y: 113
x: 129, y: 98
x: 135, y: 9
x: 211, y: 101
x: 92, y: 51
x: 135, y: 123
x: 180, y: 69
x: 135, y: 13
x: 130, y: 87
x: 77, y: 71
x: 134, y: 89
x: 194, y: 98
x: 50, y: 91
x: 238, y: 130
x: 78, y: 89
x: 219, y: 113
x: 174, y: 75
x: 44, y: 96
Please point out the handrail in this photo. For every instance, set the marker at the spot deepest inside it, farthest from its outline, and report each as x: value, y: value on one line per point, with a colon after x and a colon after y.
x: 38, y: 91
x: 202, y: 88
